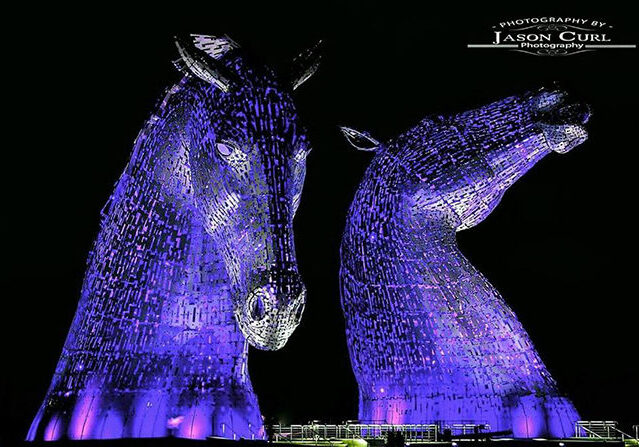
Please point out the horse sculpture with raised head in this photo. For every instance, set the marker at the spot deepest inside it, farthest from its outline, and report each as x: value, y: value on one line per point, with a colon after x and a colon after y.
x: 194, y: 260
x: 430, y: 339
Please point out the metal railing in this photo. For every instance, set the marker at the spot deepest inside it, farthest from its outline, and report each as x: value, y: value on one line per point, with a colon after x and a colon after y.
x: 328, y: 432
x: 465, y: 429
x: 601, y: 430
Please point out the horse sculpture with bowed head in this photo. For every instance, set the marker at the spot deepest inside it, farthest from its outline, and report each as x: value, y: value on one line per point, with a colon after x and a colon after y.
x: 430, y: 339
x: 194, y: 260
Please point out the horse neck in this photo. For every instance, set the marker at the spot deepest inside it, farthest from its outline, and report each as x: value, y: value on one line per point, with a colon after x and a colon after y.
x: 407, y: 273
x: 383, y: 246
x: 379, y: 227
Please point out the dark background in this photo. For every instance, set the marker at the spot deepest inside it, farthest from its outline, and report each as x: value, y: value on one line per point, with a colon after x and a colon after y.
x: 560, y: 247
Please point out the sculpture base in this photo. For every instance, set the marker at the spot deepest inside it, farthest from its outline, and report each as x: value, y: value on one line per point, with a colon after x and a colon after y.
x: 147, y: 442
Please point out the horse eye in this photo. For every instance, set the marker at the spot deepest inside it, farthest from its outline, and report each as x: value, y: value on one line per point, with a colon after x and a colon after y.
x: 224, y: 149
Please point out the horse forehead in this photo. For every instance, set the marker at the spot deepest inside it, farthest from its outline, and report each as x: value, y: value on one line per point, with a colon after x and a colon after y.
x: 268, y: 101
x: 272, y: 121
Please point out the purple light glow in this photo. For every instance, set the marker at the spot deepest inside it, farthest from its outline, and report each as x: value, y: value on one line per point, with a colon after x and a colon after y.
x: 197, y: 424
x: 54, y: 429
x: 84, y: 414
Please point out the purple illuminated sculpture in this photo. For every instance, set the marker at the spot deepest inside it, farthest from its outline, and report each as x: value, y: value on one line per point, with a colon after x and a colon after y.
x: 194, y: 260
x: 430, y: 339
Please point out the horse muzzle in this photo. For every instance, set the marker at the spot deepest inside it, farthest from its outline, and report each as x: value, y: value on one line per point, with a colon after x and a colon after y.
x: 271, y: 312
x: 561, y: 120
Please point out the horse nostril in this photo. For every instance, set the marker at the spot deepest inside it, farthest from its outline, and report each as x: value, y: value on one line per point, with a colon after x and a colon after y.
x: 257, y: 309
x: 300, y: 305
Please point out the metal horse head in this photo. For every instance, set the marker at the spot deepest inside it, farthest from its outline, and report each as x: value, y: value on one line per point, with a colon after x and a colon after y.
x: 458, y: 168
x: 247, y: 160
x: 444, y: 344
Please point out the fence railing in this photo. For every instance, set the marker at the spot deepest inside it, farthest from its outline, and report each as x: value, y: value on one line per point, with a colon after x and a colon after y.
x: 327, y: 432
x: 410, y: 432
x: 601, y: 430
x: 464, y: 429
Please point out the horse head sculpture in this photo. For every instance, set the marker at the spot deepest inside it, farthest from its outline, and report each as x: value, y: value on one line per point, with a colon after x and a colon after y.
x: 430, y: 338
x: 195, y: 259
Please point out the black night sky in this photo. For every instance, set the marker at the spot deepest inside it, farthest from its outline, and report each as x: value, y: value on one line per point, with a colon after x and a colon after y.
x: 560, y: 247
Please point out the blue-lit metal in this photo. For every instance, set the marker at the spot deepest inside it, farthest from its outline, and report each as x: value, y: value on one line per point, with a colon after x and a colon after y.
x: 193, y: 261
x: 430, y: 338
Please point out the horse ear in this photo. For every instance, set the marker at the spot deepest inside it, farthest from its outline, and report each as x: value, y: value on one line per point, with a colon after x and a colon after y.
x: 200, y: 56
x: 360, y: 140
x: 305, y: 65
